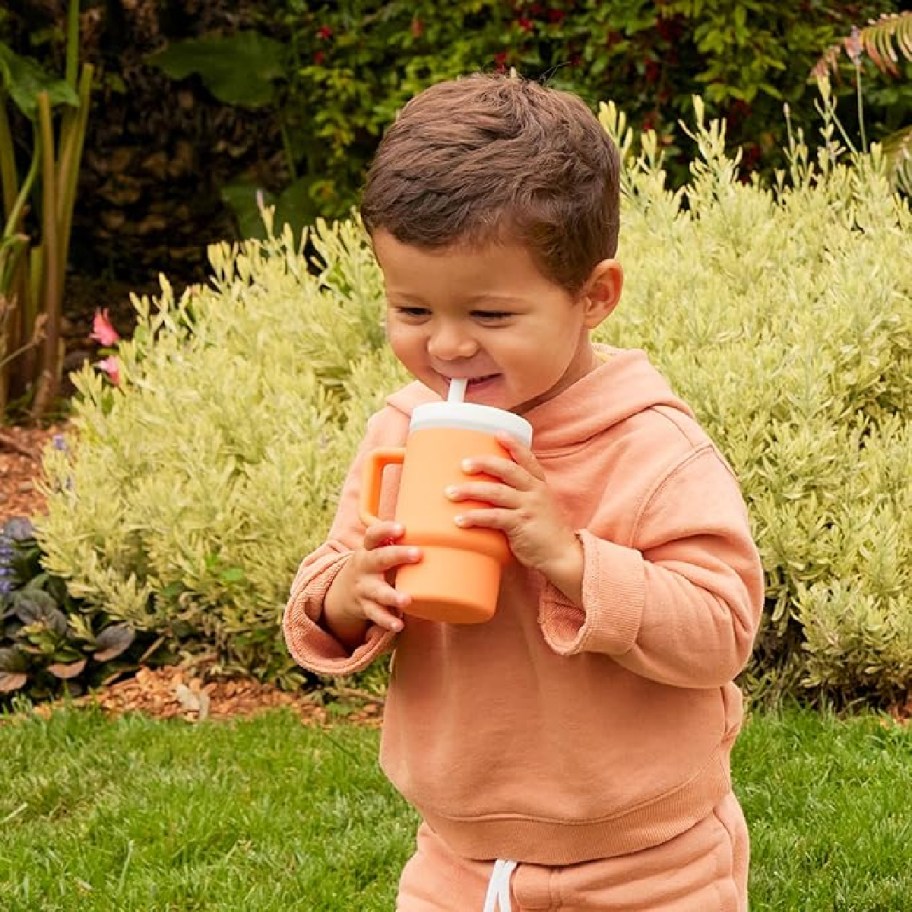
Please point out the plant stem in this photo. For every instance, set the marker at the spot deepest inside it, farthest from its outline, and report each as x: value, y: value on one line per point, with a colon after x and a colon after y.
x: 14, y: 213
x: 864, y: 142
x: 72, y: 138
x: 45, y: 388
x: 8, y: 184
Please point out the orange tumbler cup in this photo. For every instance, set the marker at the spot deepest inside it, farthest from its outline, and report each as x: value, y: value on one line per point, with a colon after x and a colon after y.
x: 458, y: 577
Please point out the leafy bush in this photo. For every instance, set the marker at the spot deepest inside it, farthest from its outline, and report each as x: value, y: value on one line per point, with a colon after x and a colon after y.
x: 785, y: 317
x: 190, y: 492
x: 50, y: 644
x: 349, y: 66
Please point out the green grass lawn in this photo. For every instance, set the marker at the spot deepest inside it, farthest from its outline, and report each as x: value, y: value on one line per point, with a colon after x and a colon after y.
x: 266, y: 814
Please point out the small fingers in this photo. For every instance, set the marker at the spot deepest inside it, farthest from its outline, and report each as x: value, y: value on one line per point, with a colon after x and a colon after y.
x: 506, y: 470
x: 382, y: 617
x: 388, y: 557
x: 382, y: 533
x: 521, y: 455
x: 383, y: 605
x: 503, y: 520
x: 489, y: 492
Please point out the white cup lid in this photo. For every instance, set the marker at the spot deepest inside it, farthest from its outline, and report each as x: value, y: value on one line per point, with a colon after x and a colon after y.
x: 472, y: 417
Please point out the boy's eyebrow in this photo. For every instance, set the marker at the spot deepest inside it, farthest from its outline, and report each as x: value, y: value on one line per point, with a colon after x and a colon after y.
x: 495, y: 296
x: 404, y: 296
x: 396, y: 297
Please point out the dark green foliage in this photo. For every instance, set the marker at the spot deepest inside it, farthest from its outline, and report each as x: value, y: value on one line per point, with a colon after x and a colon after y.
x: 352, y: 64
x: 50, y: 643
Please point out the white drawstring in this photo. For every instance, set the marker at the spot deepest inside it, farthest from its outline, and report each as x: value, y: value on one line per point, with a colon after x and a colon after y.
x: 499, y: 887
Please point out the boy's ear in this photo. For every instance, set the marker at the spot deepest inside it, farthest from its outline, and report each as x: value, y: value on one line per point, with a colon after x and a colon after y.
x: 602, y: 291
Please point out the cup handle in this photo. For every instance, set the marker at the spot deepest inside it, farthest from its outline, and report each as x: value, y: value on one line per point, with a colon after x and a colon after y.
x: 377, y: 461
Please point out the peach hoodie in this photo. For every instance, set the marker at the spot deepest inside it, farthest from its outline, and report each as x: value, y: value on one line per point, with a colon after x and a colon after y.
x: 556, y: 734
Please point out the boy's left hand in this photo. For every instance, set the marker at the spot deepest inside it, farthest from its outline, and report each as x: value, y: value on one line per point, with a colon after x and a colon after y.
x: 523, y: 508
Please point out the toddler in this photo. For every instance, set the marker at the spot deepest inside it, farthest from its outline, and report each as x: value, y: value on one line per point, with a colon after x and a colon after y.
x: 573, y: 752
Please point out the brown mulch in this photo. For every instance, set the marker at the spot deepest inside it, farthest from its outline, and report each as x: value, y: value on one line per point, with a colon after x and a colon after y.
x: 20, y: 464
x: 175, y: 693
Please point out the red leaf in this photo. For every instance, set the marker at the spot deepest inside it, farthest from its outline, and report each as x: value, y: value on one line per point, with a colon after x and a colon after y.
x: 11, y: 680
x: 67, y: 669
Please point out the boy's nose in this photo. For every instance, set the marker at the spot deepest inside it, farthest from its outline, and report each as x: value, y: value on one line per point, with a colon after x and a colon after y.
x: 449, y: 343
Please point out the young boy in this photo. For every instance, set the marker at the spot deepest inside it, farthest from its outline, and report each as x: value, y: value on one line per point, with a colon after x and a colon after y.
x: 573, y: 752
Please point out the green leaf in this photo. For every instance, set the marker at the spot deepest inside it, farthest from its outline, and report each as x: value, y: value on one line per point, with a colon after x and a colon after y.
x: 296, y: 206
x: 238, y: 69
x: 12, y: 660
x: 232, y: 575
x: 25, y: 80
x: 241, y: 197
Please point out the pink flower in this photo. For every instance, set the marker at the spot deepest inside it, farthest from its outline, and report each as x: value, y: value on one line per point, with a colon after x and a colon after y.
x: 102, y: 330
x: 111, y: 366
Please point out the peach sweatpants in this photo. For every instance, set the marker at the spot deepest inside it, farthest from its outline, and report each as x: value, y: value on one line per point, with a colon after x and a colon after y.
x: 702, y: 870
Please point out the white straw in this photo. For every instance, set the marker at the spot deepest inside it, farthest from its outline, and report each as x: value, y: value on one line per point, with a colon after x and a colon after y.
x: 457, y: 389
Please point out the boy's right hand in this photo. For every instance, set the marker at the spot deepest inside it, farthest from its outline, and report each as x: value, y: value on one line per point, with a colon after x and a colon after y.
x: 362, y: 591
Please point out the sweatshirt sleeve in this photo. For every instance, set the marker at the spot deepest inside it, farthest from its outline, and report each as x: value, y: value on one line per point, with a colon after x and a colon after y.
x: 311, y: 645
x: 681, y: 606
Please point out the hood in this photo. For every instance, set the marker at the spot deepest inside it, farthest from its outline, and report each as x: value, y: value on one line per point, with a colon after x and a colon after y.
x: 624, y: 384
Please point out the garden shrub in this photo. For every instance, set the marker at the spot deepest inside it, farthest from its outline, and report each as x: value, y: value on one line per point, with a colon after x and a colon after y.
x: 189, y: 493
x: 784, y: 315
x: 364, y: 58
x: 52, y: 644
x: 336, y: 73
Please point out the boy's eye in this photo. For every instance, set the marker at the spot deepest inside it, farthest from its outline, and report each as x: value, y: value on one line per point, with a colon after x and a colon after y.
x: 491, y: 316
x: 412, y: 311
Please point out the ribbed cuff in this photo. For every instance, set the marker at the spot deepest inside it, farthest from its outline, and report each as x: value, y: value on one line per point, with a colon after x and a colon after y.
x: 613, y: 595
x: 314, y: 647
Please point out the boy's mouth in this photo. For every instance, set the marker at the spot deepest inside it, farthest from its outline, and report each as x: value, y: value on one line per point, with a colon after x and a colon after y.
x: 475, y: 383
x: 480, y: 381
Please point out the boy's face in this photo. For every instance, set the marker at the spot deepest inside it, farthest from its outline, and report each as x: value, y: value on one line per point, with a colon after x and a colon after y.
x: 489, y: 315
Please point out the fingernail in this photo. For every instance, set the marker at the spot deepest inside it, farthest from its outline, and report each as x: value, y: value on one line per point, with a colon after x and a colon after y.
x: 468, y: 465
x: 459, y: 520
x: 414, y: 554
x: 451, y: 491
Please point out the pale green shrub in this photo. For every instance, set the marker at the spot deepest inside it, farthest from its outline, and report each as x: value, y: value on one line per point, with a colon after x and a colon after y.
x: 783, y: 315
x: 785, y: 318
x: 189, y: 494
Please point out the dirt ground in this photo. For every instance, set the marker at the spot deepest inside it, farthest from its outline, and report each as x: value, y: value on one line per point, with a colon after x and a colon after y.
x: 20, y: 464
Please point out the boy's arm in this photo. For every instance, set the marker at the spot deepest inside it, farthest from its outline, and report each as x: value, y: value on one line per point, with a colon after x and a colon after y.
x: 681, y: 607
x: 311, y: 644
